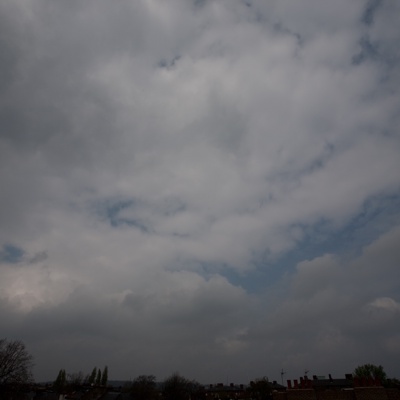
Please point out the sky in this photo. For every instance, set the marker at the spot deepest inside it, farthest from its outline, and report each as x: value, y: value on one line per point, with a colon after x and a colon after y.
x: 209, y: 187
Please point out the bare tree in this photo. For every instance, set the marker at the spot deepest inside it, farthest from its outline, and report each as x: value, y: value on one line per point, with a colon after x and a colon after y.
x: 75, y: 379
x: 176, y: 387
x: 144, y: 387
x: 15, y: 363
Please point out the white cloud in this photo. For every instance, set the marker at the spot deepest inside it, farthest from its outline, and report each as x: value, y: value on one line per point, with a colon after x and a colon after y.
x: 386, y: 303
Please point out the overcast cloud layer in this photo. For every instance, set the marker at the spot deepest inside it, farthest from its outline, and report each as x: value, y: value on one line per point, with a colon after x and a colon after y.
x: 209, y: 187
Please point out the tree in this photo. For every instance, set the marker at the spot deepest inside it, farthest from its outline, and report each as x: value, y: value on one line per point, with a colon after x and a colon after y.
x: 98, y: 377
x: 144, y: 388
x: 104, y: 376
x: 15, y: 363
x: 370, y: 371
x: 61, y: 381
x: 176, y: 387
x: 260, y: 389
x: 92, y: 377
x: 75, y: 379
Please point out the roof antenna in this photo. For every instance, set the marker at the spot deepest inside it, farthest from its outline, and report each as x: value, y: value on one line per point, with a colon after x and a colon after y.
x: 282, y: 373
x: 306, y: 371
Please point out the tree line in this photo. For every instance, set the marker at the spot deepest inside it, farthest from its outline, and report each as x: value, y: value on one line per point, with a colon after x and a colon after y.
x: 66, y: 381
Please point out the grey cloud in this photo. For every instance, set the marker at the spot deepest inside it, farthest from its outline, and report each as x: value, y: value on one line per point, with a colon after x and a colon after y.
x: 39, y: 257
x: 169, y: 319
x: 340, y: 306
x: 153, y: 149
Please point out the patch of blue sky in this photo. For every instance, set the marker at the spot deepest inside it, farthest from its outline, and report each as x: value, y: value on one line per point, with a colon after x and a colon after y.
x: 383, y: 52
x: 129, y: 212
x: 247, y: 3
x: 290, y: 175
x: 110, y: 210
x: 113, y: 210
x: 11, y: 254
x: 168, y: 64
x: 370, y: 10
x: 378, y: 215
x: 368, y: 51
x: 133, y: 223
x: 282, y: 29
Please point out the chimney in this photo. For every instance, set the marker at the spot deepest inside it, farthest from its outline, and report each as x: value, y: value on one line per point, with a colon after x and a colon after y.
x: 295, y: 383
x: 289, y: 384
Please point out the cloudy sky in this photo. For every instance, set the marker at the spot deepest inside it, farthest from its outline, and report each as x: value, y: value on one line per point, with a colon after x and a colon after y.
x: 203, y: 186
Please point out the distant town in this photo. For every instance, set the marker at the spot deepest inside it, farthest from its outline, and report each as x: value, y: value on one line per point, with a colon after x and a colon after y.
x: 177, y: 387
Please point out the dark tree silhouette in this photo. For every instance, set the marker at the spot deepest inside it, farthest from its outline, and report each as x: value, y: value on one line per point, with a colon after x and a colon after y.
x: 61, y: 381
x: 15, y: 363
x: 75, y: 379
x: 104, y: 376
x: 144, y: 388
x: 98, y: 377
x: 92, y: 377
x: 260, y: 389
x: 176, y: 387
x: 370, y: 371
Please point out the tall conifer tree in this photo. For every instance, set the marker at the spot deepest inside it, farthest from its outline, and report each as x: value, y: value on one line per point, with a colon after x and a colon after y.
x: 98, y: 377
x: 104, y: 377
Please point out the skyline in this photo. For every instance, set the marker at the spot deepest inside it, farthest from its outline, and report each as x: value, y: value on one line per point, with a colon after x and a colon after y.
x: 208, y: 187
